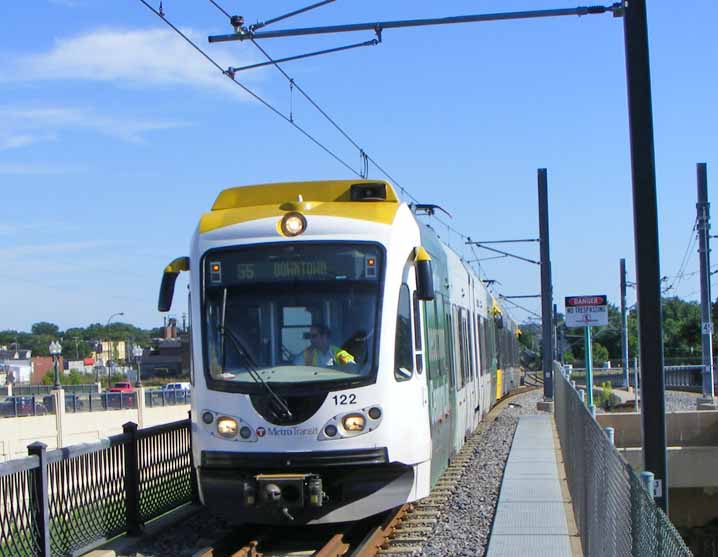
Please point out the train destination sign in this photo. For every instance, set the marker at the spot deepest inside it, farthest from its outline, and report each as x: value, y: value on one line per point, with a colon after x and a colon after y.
x: 313, y: 262
x: 586, y: 311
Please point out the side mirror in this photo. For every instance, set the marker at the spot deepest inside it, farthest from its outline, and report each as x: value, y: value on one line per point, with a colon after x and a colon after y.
x: 169, y: 278
x: 424, y: 276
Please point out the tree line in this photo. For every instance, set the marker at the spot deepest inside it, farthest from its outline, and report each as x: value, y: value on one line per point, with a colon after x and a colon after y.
x: 77, y: 342
x: 681, y: 336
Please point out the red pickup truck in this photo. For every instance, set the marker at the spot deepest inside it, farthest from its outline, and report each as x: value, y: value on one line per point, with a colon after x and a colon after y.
x: 122, y: 387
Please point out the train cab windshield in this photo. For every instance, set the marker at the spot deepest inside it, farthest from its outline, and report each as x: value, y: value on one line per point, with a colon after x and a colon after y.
x: 291, y: 314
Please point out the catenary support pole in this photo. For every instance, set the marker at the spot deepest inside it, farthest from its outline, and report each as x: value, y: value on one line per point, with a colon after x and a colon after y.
x: 624, y: 326
x: 546, y: 287
x: 704, y: 252
x: 645, y: 222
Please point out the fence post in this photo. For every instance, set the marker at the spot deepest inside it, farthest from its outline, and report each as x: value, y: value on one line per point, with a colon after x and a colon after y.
x: 41, y: 503
x: 647, y: 481
x: 582, y: 396
x: 193, y: 471
x: 58, y: 398
x: 140, y: 394
x: 132, y: 481
x: 610, y: 433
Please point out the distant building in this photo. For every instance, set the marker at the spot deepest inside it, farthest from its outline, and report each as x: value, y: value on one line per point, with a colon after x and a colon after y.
x: 166, y: 358
x: 41, y: 365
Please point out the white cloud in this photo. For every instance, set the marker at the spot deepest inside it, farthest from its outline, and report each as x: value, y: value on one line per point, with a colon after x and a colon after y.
x: 26, y: 126
x: 149, y: 57
x: 10, y: 140
x: 32, y: 169
x: 49, y: 248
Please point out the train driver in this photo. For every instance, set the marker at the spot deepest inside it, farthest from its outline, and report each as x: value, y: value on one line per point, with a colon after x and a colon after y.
x: 321, y: 352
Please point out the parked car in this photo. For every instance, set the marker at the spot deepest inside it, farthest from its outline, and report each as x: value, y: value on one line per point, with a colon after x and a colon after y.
x: 122, y: 387
x: 21, y: 406
x: 120, y: 395
x: 173, y: 387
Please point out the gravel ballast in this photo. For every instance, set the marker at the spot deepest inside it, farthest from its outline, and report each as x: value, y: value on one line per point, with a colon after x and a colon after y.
x: 465, y: 523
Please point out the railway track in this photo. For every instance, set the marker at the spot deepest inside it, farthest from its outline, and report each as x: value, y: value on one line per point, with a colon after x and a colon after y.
x: 396, y: 533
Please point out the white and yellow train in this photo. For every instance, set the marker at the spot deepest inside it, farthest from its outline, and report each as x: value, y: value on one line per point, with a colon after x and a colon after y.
x: 341, y: 353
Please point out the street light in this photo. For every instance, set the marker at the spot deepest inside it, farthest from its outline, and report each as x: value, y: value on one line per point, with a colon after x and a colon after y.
x: 137, y: 355
x: 55, y: 351
x: 109, y: 345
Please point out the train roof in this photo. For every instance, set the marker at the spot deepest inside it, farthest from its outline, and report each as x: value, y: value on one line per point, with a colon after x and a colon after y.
x: 373, y: 200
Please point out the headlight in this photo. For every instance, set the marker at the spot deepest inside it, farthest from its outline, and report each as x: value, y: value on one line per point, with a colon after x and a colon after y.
x: 353, y: 422
x: 293, y: 224
x: 227, y: 427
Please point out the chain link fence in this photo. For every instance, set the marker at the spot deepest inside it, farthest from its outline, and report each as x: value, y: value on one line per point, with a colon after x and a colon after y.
x: 614, y: 513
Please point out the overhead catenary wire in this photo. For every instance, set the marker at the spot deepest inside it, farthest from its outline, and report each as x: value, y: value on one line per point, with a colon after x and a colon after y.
x: 290, y: 119
x: 276, y: 111
x: 680, y: 275
x: 344, y: 133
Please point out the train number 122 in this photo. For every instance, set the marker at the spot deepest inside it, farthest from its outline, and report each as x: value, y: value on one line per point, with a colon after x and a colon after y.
x: 345, y: 399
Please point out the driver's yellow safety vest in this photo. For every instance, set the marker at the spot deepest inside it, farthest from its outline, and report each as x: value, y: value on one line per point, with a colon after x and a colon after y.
x: 311, y: 355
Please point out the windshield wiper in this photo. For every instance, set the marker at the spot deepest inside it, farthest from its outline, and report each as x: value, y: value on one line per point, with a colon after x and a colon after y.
x: 250, y: 365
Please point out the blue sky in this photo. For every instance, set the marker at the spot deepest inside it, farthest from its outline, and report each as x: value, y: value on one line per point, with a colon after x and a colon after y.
x: 115, y: 136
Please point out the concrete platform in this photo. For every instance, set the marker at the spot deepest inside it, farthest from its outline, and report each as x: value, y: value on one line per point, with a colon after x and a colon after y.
x: 534, y: 514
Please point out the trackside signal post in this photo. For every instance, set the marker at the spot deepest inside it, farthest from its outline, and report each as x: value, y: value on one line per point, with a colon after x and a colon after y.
x: 585, y: 311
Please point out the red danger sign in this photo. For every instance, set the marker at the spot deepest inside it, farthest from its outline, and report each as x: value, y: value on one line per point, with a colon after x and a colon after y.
x: 583, y: 301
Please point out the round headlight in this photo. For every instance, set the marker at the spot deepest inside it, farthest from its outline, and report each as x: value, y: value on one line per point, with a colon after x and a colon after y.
x: 208, y: 417
x: 245, y: 432
x: 375, y: 413
x: 330, y: 430
x: 293, y: 224
x: 227, y: 427
x: 353, y: 422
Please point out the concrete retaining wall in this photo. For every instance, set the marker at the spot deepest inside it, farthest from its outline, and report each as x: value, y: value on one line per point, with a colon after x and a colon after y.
x: 684, y: 429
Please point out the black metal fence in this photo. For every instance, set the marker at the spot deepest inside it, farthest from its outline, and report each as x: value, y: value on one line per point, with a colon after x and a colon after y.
x: 680, y: 378
x: 47, y: 389
x: 66, y: 501
x: 39, y: 405
x: 614, y: 513
x: 167, y: 398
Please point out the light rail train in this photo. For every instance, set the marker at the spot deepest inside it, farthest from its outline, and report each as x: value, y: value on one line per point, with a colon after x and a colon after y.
x: 341, y: 353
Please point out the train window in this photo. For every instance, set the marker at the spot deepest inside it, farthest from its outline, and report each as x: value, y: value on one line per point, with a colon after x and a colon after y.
x: 459, y: 347
x: 417, y: 335
x: 450, y: 347
x: 417, y: 323
x: 403, y: 350
x: 470, y: 329
x: 294, y: 314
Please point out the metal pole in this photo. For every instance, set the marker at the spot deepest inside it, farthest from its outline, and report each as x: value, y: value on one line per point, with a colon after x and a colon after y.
x: 624, y: 325
x: 589, y: 365
x: 546, y: 287
x: 56, y: 386
x: 554, y: 332
x: 383, y: 25
x: 645, y: 218
x: 704, y: 251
